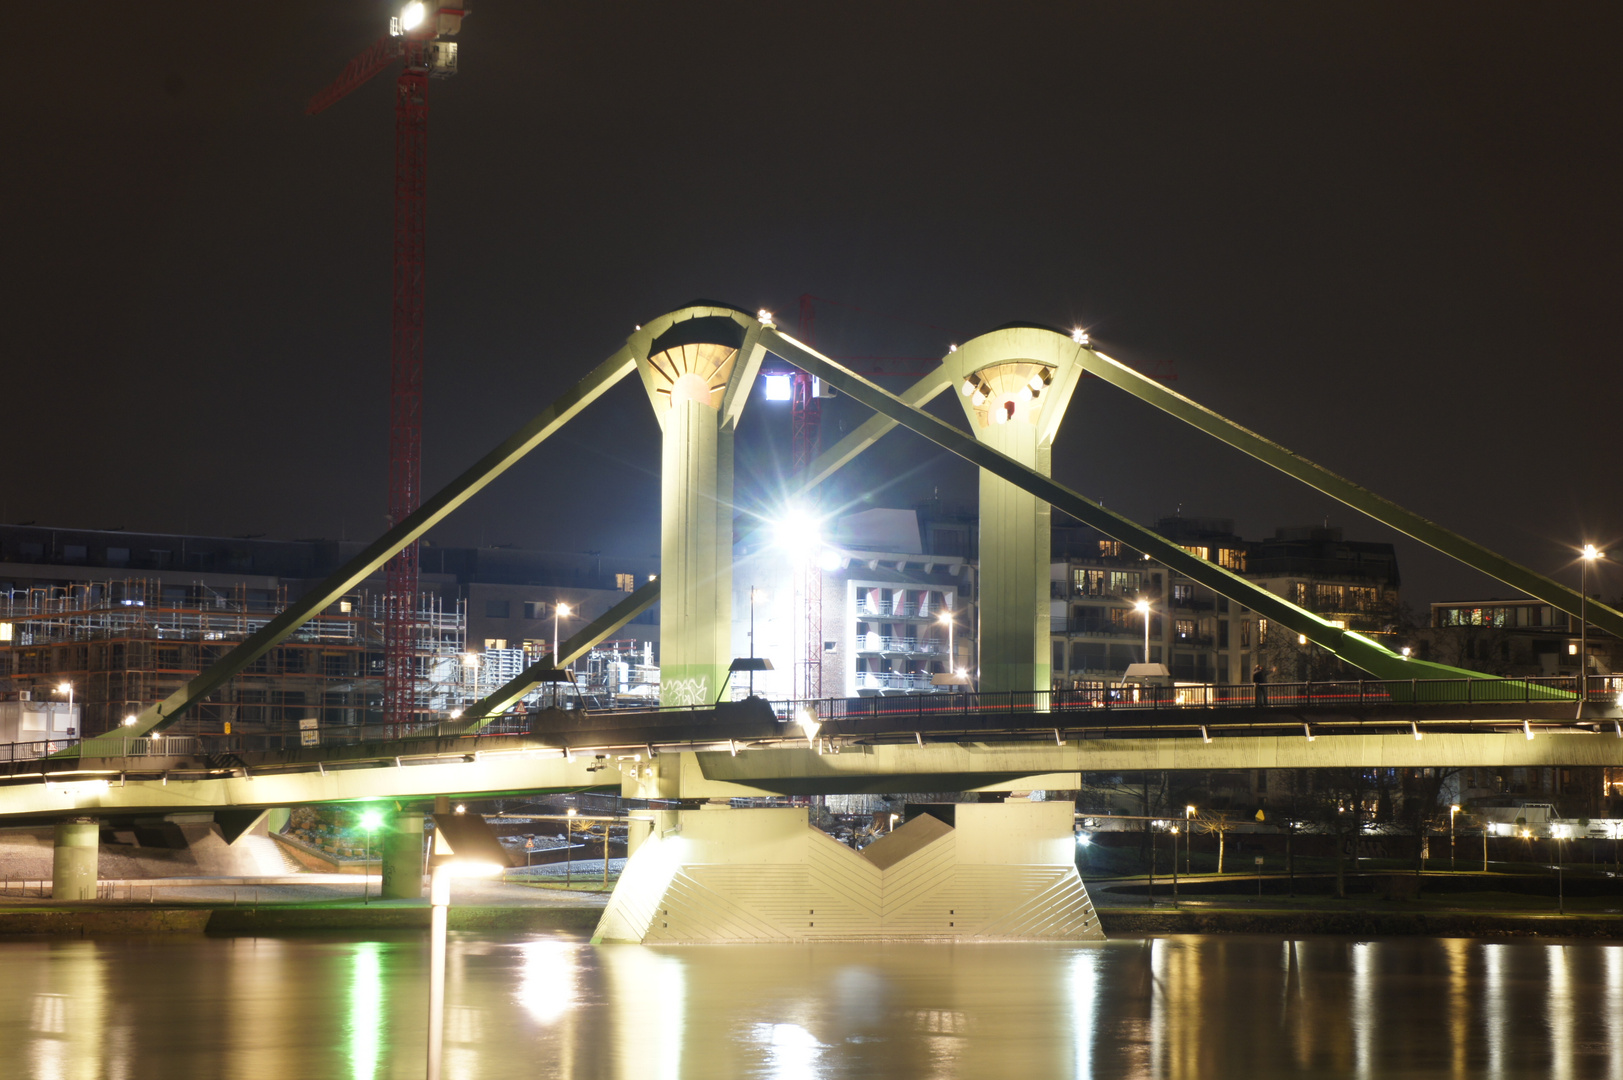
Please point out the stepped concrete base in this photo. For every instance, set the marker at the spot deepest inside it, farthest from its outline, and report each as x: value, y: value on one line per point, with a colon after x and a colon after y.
x: 1006, y: 872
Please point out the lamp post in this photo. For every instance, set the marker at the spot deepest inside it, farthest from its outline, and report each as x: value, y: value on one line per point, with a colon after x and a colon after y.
x: 1587, y: 556
x: 439, y: 900
x: 1175, y: 866
x: 1453, y: 812
x: 1143, y: 608
x: 557, y: 643
x: 370, y: 819
x: 569, y: 849
x: 1189, y: 831
x: 946, y: 619
x: 65, y: 687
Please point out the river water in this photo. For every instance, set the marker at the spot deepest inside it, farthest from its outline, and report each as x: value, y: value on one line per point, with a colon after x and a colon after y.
x: 538, y: 1005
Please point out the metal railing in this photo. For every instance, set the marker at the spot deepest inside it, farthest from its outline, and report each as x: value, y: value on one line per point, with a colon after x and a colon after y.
x: 881, y: 643
x: 918, y: 699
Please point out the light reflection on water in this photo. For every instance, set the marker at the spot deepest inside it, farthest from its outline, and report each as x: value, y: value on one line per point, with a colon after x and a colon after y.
x: 1251, y: 1007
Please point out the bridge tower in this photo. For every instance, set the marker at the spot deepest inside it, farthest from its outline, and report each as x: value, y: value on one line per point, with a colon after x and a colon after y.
x: 697, y: 365
x: 1015, y: 383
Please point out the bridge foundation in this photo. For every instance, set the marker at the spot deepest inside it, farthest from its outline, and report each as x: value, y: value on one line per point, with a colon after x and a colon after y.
x: 402, y: 857
x: 74, y: 859
x: 999, y: 872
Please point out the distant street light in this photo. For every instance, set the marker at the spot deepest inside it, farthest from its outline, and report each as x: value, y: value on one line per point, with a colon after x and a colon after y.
x: 557, y: 643
x: 1453, y: 812
x: 439, y: 899
x: 1587, y: 556
x: 65, y: 687
x: 1143, y: 608
x: 370, y: 820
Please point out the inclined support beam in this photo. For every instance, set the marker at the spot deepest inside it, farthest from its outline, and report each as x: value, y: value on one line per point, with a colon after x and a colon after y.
x: 493, y: 705
x: 369, y: 561
x: 1356, y: 649
x: 871, y: 430
x: 1385, y: 511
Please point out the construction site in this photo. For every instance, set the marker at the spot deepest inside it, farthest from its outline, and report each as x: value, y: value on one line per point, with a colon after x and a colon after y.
x: 76, y: 660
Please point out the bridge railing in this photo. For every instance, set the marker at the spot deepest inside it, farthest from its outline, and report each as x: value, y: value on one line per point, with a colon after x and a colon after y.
x: 1207, y: 698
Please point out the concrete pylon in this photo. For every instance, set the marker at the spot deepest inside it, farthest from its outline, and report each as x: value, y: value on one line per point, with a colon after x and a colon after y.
x: 697, y: 365
x: 1015, y: 384
x: 74, y: 859
x: 402, y: 856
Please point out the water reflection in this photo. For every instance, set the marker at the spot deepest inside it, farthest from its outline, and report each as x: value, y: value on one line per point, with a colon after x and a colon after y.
x: 547, y: 1005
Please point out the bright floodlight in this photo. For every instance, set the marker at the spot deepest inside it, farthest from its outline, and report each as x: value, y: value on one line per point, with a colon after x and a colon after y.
x: 1083, y: 839
x: 944, y: 618
x: 798, y: 532
x: 779, y: 387
x: 370, y: 820
x: 1142, y: 607
x: 64, y: 688
x: 129, y: 721
x: 1079, y: 336
x: 765, y: 316
x: 1591, y: 554
x: 411, y: 15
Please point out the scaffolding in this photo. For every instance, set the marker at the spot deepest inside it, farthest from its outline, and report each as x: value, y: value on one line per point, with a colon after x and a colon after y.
x: 127, y: 644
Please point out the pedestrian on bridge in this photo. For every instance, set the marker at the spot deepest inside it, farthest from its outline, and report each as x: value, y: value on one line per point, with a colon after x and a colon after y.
x: 1259, y: 679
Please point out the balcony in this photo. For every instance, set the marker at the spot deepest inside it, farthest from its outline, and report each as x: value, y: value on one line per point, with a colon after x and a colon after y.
x: 1097, y: 628
x: 895, y: 609
x: 891, y: 682
x: 872, y: 644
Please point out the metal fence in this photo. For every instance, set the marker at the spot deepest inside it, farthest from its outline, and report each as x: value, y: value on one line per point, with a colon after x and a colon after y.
x: 1208, y: 699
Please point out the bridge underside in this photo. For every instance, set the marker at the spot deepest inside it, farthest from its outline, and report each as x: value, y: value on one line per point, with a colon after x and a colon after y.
x: 739, y: 753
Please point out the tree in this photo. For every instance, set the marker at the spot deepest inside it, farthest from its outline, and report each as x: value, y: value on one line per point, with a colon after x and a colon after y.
x: 1339, y: 802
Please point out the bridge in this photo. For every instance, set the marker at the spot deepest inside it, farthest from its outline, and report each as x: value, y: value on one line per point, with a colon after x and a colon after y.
x: 969, y: 741
x: 697, y: 365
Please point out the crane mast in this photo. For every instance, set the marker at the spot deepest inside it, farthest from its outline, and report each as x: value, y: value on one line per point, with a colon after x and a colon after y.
x: 415, y: 42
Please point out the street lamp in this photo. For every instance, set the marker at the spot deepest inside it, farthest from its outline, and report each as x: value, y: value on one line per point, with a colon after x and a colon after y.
x: 1143, y: 608
x: 370, y: 820
x: 557, y: 644
x: 946, y: 619
x: 1189, y: 830
x: 1453, y: 812
x: 65, y: 687
x: 1174, y: 866
x: 439, y: 899
x: 1587, y: 556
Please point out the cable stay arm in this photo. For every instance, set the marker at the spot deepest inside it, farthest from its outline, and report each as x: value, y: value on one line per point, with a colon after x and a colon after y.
x: 499, y: 701
x: 433, y: 510
x: 1448, y: 542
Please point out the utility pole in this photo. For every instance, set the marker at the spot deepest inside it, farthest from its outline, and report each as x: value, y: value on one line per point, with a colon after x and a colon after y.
x: 415, y: 41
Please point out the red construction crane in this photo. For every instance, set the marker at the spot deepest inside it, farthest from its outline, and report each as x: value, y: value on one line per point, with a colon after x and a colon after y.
x: 414, y: 42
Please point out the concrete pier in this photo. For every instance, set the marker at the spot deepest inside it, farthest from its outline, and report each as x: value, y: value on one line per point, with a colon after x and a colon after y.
x: 74, y: 859
x: 402, y: 856
x: 1001, y: 872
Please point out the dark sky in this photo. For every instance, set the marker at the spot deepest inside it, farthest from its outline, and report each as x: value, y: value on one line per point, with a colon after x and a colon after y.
x: 1384, y: 235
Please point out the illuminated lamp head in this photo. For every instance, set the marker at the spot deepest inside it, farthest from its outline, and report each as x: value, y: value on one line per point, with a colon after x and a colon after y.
x: 693, y: 360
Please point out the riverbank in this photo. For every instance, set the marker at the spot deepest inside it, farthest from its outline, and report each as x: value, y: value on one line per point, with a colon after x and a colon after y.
x: 1356, y: 922
x: 581, y: 916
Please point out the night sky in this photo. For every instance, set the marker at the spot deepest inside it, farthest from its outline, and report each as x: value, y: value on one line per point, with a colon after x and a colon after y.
x: 1384, y: 235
